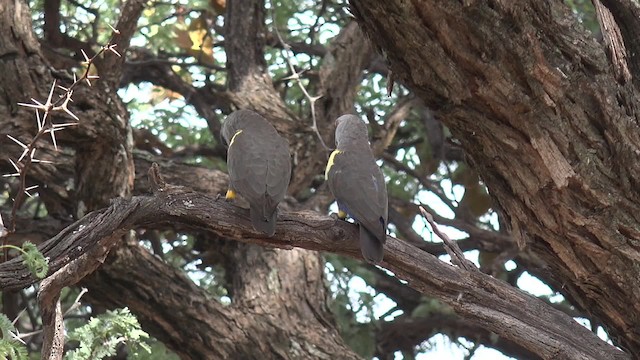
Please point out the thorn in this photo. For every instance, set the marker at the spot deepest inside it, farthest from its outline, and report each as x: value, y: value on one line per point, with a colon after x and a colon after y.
x: 15, y: 166
x: 114, y: 29
x: 17, y: 337
x: 41, y: 161
x: 52, y: 131
x: 294, y: 76
x: 112, y: 48
x: 93, y: 77
x: 61, y: 126
x: 88, y: 82
x: 313, y: 99
x: 64, y: 107
x: 24, y: 152
x: 50, y: 97
x: 26, y: 190
x: 17, y: 141
x: 38, y: 120
x: 23, y: 310
x: 86, y: 58
x: 37, y: 105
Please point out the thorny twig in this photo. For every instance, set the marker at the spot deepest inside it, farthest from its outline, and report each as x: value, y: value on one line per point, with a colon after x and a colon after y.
x: 76, y: 304
x: 286, y: 48
x: 45, y: 125
x: 457, y: 257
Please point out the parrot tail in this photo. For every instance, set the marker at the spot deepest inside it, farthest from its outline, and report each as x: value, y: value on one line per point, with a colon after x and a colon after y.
x: 262, y: 220
x: 371, y: 247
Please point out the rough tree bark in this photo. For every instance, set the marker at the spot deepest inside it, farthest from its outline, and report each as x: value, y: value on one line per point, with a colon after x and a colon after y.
x: 514, y: 82
x: 552, y: 130
x: 493, y: 304
x: 294, y: 328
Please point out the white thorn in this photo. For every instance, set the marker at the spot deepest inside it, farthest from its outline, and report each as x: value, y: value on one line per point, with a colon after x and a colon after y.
x: 86, y: 58
x: 15, y: 166
x: 17, y: 141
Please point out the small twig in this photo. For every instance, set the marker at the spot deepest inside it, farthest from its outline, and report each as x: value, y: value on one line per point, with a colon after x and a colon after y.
x: 295, y: 75
x: 156, y: 181
x: 76, y: 303
x: 457, y: 256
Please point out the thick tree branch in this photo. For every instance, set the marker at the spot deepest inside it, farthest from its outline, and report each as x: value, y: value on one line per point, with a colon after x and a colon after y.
x: 132, y: 277
x: 618, y: 54
x: 554, y: 148
x: 406, y: 332
x: 111, y: 67
x: 249, y: 82
x: 626, y: 14
x: 491, y: 303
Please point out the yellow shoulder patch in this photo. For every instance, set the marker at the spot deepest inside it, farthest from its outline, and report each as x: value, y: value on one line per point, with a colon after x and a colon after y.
x: 332, y: 158
x: 234, y: 137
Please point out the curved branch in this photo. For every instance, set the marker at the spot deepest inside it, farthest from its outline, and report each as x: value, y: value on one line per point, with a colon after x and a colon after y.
x: 126, y: 27
x: 145, y: 66
x: 406, y: 332
x: 489, y: 302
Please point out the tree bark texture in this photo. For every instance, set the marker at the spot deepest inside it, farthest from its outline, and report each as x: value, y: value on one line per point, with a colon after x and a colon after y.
x: 491, y: 303
x: 534, y: 101
x: 280, y: 294
x: 552, y: 130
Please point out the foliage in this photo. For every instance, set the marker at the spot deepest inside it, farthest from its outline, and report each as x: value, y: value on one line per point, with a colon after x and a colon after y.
x: 352, y: 307
x: 10, y: 348
x: 101, y: 336
x: 33, y: 259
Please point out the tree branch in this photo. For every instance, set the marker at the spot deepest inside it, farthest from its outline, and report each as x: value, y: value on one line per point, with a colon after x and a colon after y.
x: 491, y: 303
x: 111, y: 67
x: 132, y: 276
x: 145, y: 66
x: 626, y: 14
x: 406, y: 332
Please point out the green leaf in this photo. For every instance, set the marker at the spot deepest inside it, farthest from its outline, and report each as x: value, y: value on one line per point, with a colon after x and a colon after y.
x: 34, y: 260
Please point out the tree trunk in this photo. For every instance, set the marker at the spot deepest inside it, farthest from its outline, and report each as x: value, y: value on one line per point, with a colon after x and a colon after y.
x: 272, y: 322
x: 552, y: 130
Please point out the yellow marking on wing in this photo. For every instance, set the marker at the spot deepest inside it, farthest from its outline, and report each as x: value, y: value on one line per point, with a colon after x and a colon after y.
x: 342, y: 215
x: 332, y: 158
x: 234, y: 137
x: 231, y: 195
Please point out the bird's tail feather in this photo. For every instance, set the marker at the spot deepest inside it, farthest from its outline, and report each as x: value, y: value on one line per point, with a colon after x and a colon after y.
x: 371, y: 247
x: 264, y: 220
